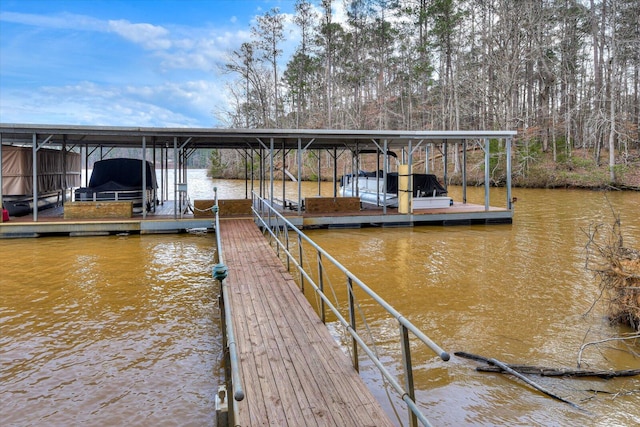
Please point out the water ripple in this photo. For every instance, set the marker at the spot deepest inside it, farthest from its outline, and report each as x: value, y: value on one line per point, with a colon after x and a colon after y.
x: 116, y: 331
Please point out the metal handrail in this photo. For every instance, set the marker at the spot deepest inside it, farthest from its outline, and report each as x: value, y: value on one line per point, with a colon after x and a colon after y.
x: 272, y: 220
x: 116, y: 195
x: 220, y: 273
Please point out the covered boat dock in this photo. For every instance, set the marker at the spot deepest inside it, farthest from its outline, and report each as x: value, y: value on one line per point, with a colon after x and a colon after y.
x: 168, y: 149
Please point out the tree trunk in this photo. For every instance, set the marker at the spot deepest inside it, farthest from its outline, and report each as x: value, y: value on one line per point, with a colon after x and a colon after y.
x: 613, y: 90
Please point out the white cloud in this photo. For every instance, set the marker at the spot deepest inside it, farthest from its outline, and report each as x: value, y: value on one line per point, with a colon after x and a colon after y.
x: 149, y: 36
x: 180, y: 70
x: 187, y: 104
x: 339, y: 13
x: 61, y: 21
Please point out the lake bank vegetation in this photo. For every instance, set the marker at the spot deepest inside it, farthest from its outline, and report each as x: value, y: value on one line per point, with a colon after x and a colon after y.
x: 564, y: 74
x: 617, y: 267
x: 580, y: 170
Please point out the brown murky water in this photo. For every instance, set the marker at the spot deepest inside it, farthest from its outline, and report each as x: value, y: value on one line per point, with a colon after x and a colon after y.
x: 123, y: 330
x: 108, y: 331
x: 517, y: 293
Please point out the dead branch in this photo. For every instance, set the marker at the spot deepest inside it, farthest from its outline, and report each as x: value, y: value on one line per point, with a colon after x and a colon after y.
x: 618, y: 270
x: 585, y: 345
x: 505, y: 368
x: 563, y: 372
x: 550, y: 372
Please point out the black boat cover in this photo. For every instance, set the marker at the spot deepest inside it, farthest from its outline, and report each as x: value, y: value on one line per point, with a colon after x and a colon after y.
x: 121, y: 175
x: 424, y: 185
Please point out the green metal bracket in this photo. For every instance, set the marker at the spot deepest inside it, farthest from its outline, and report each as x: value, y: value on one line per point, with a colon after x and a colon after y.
x: 220, y: 272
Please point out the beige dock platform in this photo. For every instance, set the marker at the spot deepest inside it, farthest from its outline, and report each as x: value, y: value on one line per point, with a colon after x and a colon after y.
x: 293, y: 372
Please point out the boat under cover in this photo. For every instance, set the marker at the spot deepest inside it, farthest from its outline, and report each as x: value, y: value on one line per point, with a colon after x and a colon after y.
x: 57, y: 171
x: 370, y: 187
x: 119, y: 179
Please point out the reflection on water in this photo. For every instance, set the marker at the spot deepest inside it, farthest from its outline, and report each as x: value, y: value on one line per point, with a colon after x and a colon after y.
x: 514, y: 292
x: 109, y: 331
x: 124, y: 330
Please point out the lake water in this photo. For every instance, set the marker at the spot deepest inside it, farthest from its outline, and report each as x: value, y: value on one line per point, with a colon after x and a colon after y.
x: 124, y: 329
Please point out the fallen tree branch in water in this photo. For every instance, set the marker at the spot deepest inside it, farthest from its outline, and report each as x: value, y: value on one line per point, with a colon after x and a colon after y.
x: 585, y: 345
x: 550, y: 372
x: 504, y: 367
x: 554, y: 372
x: 533, y: 384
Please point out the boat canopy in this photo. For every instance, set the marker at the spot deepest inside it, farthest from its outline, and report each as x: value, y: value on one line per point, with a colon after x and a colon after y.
x: 120, y: 179
x: 121, y: 174
x: 56, y: 170
x: 424, y: 185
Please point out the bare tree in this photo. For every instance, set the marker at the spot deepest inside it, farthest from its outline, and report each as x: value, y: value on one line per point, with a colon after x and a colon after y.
x: 269, y: 35
x: 564, y: 73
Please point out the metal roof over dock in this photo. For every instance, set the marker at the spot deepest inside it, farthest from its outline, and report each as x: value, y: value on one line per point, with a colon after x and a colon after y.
x: 177, y: 144
x: 115, y: 136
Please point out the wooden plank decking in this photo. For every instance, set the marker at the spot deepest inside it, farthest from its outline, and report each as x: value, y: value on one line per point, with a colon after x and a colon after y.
x: 293, y: 372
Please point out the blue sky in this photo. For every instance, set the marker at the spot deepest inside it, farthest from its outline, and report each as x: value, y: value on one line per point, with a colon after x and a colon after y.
x: 122, y: 62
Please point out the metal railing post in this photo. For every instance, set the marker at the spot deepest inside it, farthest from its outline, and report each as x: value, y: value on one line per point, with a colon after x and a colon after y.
x: 321, y: 286
x: 276, y: 233
x: 286, y: 237
x: 408, y: 371
x: 352, y: 323
x: 301, y: 263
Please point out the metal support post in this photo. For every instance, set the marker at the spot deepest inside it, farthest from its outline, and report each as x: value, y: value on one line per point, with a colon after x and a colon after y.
x: 144, y: 177
x: 284, y: 167
x: 385, y: 171
x: 464, y: 171
x: 301, y: 262
x: 299, y: 160
x: 446, y: 164
x: 321, y: 286
x: 486, y: 173
x: 509, y: 199
x: 34, y: 177
x: 175, y: 177
x: 271, y: 148
x: 319, y: 172
x: 352, y: 323
x: 335, y: 171
x: 286, y: 239
x: 408, y: 371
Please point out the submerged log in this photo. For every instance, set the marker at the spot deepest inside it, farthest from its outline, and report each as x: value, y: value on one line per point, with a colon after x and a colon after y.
x: 532, y: 384
x: 553, y: 372
x: 505, y: 368
x: 548, y: 372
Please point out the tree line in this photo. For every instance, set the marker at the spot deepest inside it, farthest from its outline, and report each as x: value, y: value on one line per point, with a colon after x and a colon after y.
x: 564, y: 73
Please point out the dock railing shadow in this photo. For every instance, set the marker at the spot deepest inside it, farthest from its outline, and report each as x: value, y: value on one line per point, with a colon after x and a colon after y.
x: 287, y: 239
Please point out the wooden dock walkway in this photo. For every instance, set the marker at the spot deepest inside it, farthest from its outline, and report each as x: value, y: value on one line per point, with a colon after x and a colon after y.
x: 293, y: 372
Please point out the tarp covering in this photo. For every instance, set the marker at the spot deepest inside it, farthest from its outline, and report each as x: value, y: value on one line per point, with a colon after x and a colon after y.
x: 121, y: 174
x: 424, y: 185
x: 17, y: 170
x: 119, y: 179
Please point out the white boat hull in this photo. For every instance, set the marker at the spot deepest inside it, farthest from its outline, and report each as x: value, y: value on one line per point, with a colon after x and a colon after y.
x: 370, y: 190
x: 371, y: 197
x: 432, y: 202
